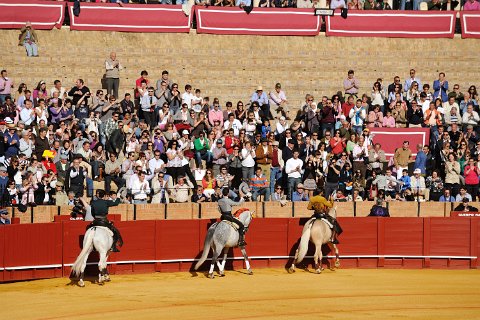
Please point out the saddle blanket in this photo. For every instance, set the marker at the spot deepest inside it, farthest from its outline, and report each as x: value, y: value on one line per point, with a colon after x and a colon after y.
x: 232, y: 224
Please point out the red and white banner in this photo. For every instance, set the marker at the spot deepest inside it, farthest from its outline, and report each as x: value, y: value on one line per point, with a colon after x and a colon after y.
x: 261, y: 21
x: 470, y: 21
x: 465, y: 214
x: 414, y: 24
x: 42, y: 14
x: 129, y: 18
x: 393, y: 138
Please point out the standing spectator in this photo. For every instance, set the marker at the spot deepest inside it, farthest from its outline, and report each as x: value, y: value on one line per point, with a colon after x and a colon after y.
x: 75, y: 178
x: 12, y: 141
x: 411, y: 80
x: 452, y: 178
x: 248, y: 156
x: 375, y: 117
x: 148, y: 104
x: 293, y: 169
x: 357, y: 115
x: 471, y: 173
x: 278, y: 100
x: 138, y: 85
x: 259, y: 185
x: 6, y: 86
x: 402, y: 158
x: 219, y: 157
x: 57, y: 90
x: 29, y: 39
x: 350, y: 84
x: 420, y: 160
x: 440, y: 87
x: 41, y: 143
x: 140, y: 189
x: 112, y: 74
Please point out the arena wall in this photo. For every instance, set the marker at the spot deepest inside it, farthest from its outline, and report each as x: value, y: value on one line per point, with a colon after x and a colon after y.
x: 34, y: 251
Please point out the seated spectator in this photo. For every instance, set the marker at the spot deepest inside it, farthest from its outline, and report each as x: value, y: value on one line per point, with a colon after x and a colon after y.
x: 260, y: 185
x: 209, y: 183
x: 355, y: 196
x: 355, y: 5
x: 418, y: 186
x: 389, y: 120
x: 405, y: 180
x: 465, y: 206
x: 4, y: 219
x: 198, y: 196
x: 463, y: 194
x: 378, y: 210
x: 29, y: 39
x: 446, y: 197
x: 300, y: 194
x: 279, y: 196
x: 339, y: 196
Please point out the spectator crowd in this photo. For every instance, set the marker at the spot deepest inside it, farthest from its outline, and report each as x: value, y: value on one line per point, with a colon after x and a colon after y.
x: 169, y: 143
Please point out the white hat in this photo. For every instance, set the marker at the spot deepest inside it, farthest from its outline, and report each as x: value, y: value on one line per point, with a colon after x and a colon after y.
x: 282, y: 118
x: 185, y: 132
x: 259, y: 88
x: 8, y: 120
x: 417, y: 171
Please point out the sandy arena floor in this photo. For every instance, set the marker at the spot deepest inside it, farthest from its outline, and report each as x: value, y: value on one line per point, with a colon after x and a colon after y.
x: 268, y: 294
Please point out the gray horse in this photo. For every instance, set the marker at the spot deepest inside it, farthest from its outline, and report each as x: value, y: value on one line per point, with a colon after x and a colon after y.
x: 319, y: 232
x: 222, y: 236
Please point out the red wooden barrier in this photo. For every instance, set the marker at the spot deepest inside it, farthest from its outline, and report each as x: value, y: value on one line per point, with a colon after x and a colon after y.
x: 32, y: 251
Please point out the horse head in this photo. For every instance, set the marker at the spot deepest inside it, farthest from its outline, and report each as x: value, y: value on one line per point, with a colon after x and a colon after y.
x: 246, y: 217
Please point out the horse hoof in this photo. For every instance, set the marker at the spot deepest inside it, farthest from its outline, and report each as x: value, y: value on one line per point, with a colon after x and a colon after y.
x: 318, y: 271
x: 250, y: 272
x: 337, y: 264
x: 101, y: 283
x: 211, y: 276
x: 222, y: 274
x: 81, y: 284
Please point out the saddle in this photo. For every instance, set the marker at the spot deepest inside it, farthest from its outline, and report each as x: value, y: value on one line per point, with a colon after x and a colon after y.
x: 109, y: 232
x: 99, y: 223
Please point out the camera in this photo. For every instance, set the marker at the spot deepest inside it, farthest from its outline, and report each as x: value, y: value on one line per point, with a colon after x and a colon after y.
x: 78, y: 210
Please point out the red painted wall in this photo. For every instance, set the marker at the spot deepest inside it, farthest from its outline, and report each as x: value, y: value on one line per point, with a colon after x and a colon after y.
x: 270, y: 241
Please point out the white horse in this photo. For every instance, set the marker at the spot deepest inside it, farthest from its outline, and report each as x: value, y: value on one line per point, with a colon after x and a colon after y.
x: 318, y: 231
x: 100, y: 238
x: 222, y: 236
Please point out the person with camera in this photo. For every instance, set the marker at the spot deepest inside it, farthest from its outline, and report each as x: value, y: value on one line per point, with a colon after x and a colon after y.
x: 99, y: 209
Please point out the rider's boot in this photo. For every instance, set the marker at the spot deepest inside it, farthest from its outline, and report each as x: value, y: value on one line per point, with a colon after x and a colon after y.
x: 116, y: 238
x: 241, y: 239
x: 334, y: 239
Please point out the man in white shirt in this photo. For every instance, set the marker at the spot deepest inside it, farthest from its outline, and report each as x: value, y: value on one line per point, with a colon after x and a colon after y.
x: 188, y: 96
x: 140, y: 189
x: 181, y: 190
x: 470, y: 117
x: 27, y: 115
x: 293, y: 169
x: 409, y: 81
x: 234, y: 124
x: 57, y: 87
x: 156, y: 164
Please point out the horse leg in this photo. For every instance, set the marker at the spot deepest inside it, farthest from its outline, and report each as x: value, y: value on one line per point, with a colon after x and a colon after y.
x: 247, y: 263
x: 215, y: 255
x: 318, y: 259
x: 84, y: 265
x: 224, y: 261
x: 337, y: 256
x: 102, y: 266
x: 292, y: 267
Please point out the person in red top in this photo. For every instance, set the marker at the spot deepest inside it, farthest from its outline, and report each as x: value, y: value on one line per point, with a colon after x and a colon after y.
x: 49, y: 165
x: 337, y: 143
x: 471, y: 173
x: 347, y: 106
x: 138, y: 83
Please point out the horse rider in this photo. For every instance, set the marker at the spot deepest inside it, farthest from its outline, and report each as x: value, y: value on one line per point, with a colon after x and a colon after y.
x: 99, y: 209
x: 321, y: 206
x: 225, y: 205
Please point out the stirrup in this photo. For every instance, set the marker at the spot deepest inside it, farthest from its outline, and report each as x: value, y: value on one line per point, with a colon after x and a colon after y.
x: 334, y: 241
x: 114, y: 249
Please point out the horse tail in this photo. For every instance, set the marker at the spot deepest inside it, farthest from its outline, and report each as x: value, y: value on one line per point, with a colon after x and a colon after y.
x: 87, y: 244
x: 303, y: 246
x: 206, y: 247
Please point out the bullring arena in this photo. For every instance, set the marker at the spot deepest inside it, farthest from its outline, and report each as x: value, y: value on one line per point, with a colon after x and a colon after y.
x: 419, y: 264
